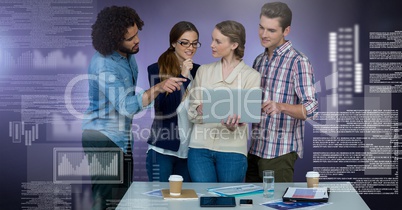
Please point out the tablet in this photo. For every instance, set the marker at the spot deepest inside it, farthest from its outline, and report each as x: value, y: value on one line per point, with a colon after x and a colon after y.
x: 220, y: 103
x: 210, y: 201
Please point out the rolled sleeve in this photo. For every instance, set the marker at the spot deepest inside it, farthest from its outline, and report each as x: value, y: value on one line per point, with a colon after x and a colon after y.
x: 311, y: 105
x: 121, y: 94
x: 305, y: 88
x: 193, y: 104
x: 133, y: 104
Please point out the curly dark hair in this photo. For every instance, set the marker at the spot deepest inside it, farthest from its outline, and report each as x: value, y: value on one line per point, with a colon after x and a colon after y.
x: 110, y: 27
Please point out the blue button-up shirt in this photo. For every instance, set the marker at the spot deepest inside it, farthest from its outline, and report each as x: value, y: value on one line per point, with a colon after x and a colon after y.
x: 112, y: 99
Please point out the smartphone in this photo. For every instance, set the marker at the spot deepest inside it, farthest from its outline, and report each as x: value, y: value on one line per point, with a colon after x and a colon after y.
x: 246, y: 202
x: 213, y: 201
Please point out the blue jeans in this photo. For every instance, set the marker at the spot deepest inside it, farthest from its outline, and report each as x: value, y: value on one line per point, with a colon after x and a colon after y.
x: 206, y: 165
x: 160, y: 167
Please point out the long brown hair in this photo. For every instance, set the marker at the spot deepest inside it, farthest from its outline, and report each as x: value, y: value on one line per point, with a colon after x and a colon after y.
x: 168, y: 62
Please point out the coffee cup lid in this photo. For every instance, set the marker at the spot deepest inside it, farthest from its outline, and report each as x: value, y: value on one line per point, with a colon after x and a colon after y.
x: 175, y: 178
x: 313, y: 174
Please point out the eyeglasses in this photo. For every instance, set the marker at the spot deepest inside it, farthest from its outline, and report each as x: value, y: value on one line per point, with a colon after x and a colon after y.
x: 187, y: 44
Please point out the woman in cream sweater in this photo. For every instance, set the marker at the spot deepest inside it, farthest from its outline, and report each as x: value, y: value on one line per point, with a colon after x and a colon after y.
x: 218, y: 150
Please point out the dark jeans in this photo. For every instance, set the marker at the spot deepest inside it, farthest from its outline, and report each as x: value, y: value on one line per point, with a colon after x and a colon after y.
x: 207, y: 165
x: 104, y: 195
x: 160, y: 167
x: 282, y: 165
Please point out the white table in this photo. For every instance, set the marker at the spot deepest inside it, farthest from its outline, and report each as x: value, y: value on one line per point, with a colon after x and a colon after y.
x: 343, y: 196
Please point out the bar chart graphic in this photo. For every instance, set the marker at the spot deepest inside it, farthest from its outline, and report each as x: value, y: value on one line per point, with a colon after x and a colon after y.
x: 73, y: 165
x: 347, y: 70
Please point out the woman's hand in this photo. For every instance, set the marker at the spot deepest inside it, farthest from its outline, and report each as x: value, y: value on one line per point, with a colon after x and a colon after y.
x: 186, y: 67
x: 232, y: 122
x: 199, y: 109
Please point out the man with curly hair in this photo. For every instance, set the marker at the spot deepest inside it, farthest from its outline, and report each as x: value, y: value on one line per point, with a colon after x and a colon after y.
x: 112, y: 78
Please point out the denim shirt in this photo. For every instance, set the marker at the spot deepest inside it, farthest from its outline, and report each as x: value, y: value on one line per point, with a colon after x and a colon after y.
x: 112, y: 99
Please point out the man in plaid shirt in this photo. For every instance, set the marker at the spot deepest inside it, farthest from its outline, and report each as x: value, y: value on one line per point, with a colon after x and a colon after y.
x: 290, y: 98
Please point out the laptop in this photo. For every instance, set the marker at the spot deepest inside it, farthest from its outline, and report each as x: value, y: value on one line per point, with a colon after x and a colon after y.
x: 220, y: 103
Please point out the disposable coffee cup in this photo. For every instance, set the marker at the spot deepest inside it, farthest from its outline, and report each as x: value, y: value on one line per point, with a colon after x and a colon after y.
x: 175, y: 184
x: 313, y: 178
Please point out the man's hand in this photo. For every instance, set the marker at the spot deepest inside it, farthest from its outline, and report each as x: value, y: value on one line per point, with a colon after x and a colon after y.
x: 169, y: 85
x: 271, y: 108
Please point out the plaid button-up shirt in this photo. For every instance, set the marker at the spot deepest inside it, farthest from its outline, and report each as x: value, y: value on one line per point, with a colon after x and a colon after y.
x: 286, y: 78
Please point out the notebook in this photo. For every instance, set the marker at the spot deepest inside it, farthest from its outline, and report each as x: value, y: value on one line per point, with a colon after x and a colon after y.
x: 297, y: 194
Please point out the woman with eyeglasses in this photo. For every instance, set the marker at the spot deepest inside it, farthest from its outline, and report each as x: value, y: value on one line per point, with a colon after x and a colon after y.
x: 218, y: 151
x: 166, y: 155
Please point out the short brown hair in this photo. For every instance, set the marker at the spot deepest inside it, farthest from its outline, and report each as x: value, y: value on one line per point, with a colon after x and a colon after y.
x: 278, y: 9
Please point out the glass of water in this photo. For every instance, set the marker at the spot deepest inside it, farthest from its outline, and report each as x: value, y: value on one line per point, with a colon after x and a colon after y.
x: 268, y: 183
